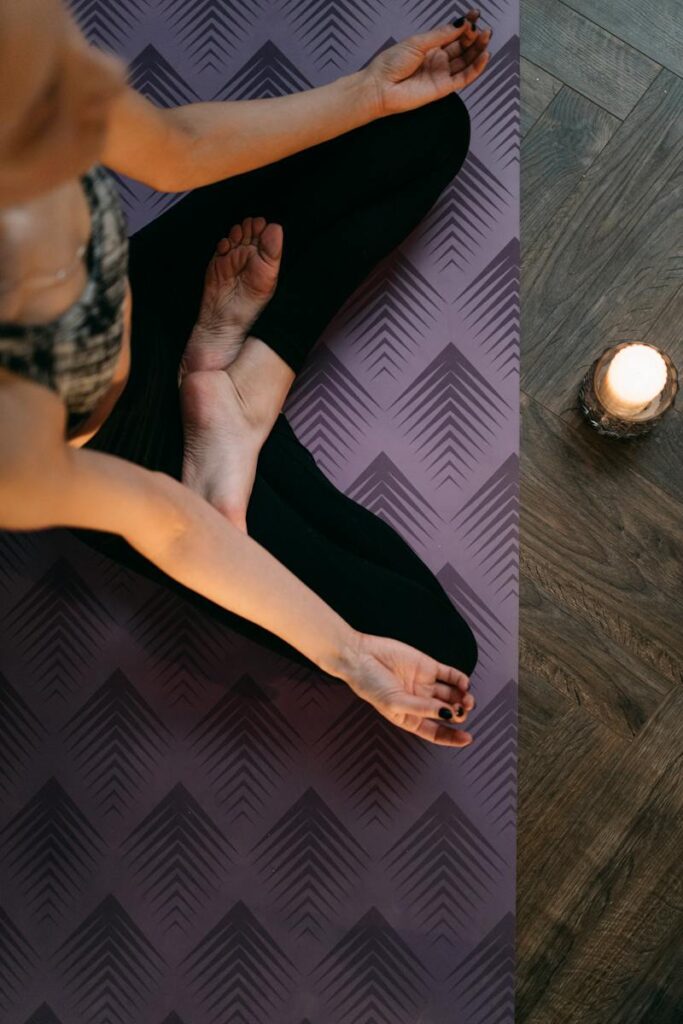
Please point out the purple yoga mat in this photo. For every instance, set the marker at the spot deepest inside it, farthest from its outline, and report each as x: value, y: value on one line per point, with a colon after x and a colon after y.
x: 195, y: 830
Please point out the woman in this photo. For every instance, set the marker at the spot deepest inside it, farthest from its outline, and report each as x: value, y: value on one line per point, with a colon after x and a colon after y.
x: 152, y: 428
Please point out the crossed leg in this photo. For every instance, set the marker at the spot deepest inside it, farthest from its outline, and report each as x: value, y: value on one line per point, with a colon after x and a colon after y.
x: 306, y: 192
x: 351, y: 557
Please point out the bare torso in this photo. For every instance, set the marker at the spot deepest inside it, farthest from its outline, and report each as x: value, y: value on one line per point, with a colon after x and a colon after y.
x: 39, y: 238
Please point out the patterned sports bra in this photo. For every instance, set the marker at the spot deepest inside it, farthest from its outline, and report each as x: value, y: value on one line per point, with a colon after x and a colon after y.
x: 76, y: 353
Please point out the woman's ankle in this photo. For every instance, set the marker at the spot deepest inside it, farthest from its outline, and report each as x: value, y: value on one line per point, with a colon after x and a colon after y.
x: 262, y: 378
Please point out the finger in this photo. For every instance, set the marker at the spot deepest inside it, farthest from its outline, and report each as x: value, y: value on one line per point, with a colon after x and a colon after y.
x: 453, y: 696
x: 472, y: 71
x: 446, y: 692
x: 465, y: 39
x: 460, y: 58
x: 454, y: 676
x: 469, y: 702
x: 454, y: 49
x: 471, y: 33
x: 470, y: 15
x: 442, y: 735
x: 459, y: 711
x: 422, y: 707
x: 438, y: 37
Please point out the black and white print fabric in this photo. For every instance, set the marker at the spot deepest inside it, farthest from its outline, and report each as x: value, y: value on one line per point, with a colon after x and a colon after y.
x: 76, y: 353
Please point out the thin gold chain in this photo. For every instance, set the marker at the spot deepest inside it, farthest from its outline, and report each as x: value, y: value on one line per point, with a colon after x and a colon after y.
x: 43, y: 280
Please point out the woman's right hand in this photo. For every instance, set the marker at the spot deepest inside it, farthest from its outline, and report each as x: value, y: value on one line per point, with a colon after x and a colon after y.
x: 409, y: 688
x: 428, y: 66
x: 45, y: 483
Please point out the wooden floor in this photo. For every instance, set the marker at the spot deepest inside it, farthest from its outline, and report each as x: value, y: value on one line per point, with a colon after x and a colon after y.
x: 600, y: 843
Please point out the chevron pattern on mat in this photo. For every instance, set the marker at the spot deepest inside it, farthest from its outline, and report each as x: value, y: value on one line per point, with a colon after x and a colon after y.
x: 195, y: 831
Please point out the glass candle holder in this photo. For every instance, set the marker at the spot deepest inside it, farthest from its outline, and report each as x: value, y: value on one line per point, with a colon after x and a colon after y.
x: 624, y: 413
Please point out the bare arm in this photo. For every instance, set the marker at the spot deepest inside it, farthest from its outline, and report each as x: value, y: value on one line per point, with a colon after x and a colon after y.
x: 46, y: 483
x: 198, y: 143
x: 187, y: 146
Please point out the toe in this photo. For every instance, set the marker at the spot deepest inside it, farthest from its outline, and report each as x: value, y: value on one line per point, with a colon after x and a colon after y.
x: 271, y: 241
x: 247, y: 232
x: 258, y: 225
x: 235, y: 234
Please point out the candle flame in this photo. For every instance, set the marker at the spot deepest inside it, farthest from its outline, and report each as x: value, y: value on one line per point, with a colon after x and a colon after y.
x: 636, y: 375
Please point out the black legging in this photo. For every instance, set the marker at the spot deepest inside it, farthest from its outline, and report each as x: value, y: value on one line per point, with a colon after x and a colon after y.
x: 344, y: 205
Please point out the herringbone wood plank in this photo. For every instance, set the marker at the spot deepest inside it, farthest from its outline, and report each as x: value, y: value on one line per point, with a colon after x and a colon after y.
x: 600, y: 927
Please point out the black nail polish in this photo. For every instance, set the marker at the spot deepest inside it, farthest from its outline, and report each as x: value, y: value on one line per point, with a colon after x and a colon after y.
x: 445, y: 713
x: 460, y: 711
x: 459, y: 22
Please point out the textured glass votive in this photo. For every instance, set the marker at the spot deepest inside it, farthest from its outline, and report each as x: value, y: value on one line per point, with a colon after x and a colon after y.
x: 602, y: 419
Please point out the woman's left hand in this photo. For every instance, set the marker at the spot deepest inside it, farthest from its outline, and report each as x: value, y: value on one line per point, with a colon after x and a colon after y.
x: 409, y: 688
x: 425, y: 67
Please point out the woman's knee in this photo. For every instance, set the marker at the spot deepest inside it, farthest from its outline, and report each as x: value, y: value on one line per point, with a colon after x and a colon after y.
x: 449, y: 125
x: 469, y: 649
x: 463, y: 644
x: 446, y: 636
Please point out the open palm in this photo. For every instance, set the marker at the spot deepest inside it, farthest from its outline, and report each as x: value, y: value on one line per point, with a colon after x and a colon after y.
x: 426, y: 67
x: 409, y: 688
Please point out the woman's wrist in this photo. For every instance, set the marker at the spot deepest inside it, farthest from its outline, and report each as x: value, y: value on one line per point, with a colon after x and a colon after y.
x: 342, y: 658
x: 365, y: 87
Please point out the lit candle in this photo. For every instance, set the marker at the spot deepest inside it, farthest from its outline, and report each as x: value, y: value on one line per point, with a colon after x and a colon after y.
x: 635, y: 376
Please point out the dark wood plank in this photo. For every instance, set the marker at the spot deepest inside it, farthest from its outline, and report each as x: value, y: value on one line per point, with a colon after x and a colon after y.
x: 663, y: 983
x: 608, y: 508
x: 560, y: 785
x: 582, y: 55
x: 558, y: 150
x: 610, y: 261
x: 606, y: 910
x: 655, y: 30
x: 537, y: 90
x: 540, y: 703
x: 604, y: 544
x: 655, y: 456
x: 600, y: 885
x: 584, y: 666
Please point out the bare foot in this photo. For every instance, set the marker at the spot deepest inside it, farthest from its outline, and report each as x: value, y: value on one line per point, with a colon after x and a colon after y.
x: 240, y: 279
x: 228, y: 405
x: 222, y: 441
